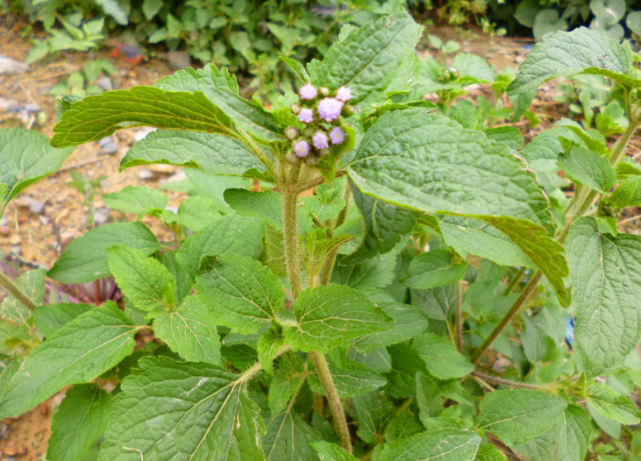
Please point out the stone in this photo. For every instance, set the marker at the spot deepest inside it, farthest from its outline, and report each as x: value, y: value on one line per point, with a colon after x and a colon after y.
x: 105, y: 84
x: 8, y: 104
x: 145, y: 174
x: 32, y: 107
x: 36, y: 207
x: 100, y: 218
x: 109, y: 145
x: 10, y: 66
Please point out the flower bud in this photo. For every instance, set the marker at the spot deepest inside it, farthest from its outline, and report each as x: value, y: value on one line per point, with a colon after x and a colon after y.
x: 291, y: 133
x: 324, y: 91
x: 324, y: 152
x: 312, y: 160
x: 348, y: 111
x: 295, y: 108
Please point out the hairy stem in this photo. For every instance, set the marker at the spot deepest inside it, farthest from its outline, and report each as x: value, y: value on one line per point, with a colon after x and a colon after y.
x: 334, y: 400
x: 16, y: 292
x: 330, y: 260
x: 459, y: 318
x: 257, y: 367
x: 621, y: 144
x: 506, y: 382
x: 290, y: 237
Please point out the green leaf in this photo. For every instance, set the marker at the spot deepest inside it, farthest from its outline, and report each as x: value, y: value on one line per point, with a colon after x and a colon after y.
x: 374, y: 410
x: 547, y: 21
x: 85, y: 259
x: 297, y: 68
x: 194, y: 213
x: 240, y: 292
x: 286, y: 381
x: 268, y: 344
x: 441, y: 357
x: 518, y: 416
x: 433, y: 269
x: 32, y: 284
x: 566, y: 54
x: 289, y: 437
x: 574, y: 434
x: 113, y: 9
x: 402, y: 426
x: 374, y: 273
x: 351, y: 380
x: 539, y: 449
x: 213, y: 187
x: 151, y: 8
x: 212, y: 153
x: 273, y: 255
x: 95, y: 117
x: 368, y: 58
x: 52, y: 317
x: 612, y: 405
x: 205, y: 408
x: 137, y: 199
x: 231, y: 234
x: 267, y: 205
x: 331, y: 452
x: 428, y: 397
x: 184, y: 282
x: 444, y: 444
x: 472, y: 236
x: 489, y: 452
x: 589, y: 168
x: 142, y: 279
x: 472, y: 68
x: 80, y: 420
x: 193, y: 79
x: 26, y: 157
x: 405, y: 364
x: 77, y: 353
x: 605, y: 272
x: 190, y: 331
x: 509, y: 135
x: 329, y: 316
x: 633, y: 21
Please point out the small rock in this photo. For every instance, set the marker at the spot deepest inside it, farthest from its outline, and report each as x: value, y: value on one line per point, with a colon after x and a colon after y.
x: 142, y: 133
x: 43, y: 220
x: 3, y: 221
x: 145, y: 174
x: 99, y: 218
x: 36, y: 207
x: 162, y: 169
x: 67, y: 235
x: 105, y: 84
x: 32, y: 107
x: 108, y: 145
x: 9, y: 66
x: 15, y: 239
x: 12, y: 448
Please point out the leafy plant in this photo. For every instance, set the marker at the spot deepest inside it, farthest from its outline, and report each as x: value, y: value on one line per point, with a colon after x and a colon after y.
x: 364, y: 321
x: 82, y: 83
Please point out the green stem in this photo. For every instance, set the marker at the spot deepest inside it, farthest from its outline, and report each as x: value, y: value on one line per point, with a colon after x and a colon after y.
x: 16, y: 292
x: 459, y: 318
x: 257, y: 367
x: 335, y: 404
x: 515, y: 281
x: 620, y: 145
x: 290, y: 237
x: 330, y: 260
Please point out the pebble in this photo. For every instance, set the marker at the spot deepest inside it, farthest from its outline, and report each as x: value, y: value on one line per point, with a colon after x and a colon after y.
x: 142, y: 133
x: 108, y: 145
x: 36, y: 207
x: 105, y: 84
x: 9, y: 66
x: 145, y: 174
x: 32, y: 107
x: 43, y: 220
x: 8, y: 104
x: 176, y: 177
x: 3, y: 221
x: 99, y: 218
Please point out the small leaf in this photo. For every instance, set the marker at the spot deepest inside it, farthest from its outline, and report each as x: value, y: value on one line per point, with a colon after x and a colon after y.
x: 329, y: 316
x: 81, y: 350
x: 441, y: 357
x: 351, y: 380
x: 331, y: 452
x: 574, y: 434
x: 428, y: 397
x: 374, y: 410
x: 268, y: 344
x: 267, y: 205
x: 443, y: 444
x: 240, y: 292
x: 405, y: 364
x: 289, y: 376
x: 433, y: 269
x: 489, y: 452
x: 586, y: 167
x: 611, y: 404
x: 137, y: 199
x: 289, y: 437
x: 297, y: 68
x: 80, y: 420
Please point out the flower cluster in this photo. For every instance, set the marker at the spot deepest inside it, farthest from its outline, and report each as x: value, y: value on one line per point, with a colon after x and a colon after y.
x: 321, y: 113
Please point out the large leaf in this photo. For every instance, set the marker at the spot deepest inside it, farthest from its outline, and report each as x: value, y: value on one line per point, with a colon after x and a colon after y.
x: 77, y: 353
x: 566, y: 54
x: 32, y: 284
x: 288, y: 437
x: 612, y: 405
x: 574, y: 434
x: 212, y: 153
x: 95, y: 117
x: 433, y: 269
x: 194, y: 213
x: 374, y: 411
x: 80, y: 420
x: 25, y: 157
x: 605, y: 272
x: 137, y: 199
x: 52, y: 317
x: 85, y: 259
x: 329, y: 316
x: 172, y: 410
x: 231, y: 234
x: 442, y: 358
x: 587, y: 167
x: 191, y: 331
x: 405, y: 364
x: 443, y: 444
x: 240, y: 292
x: 518, y: 416
x: 367, y: 59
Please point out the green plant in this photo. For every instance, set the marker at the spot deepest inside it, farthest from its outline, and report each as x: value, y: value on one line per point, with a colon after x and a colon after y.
x: 82, y: 83
x: 88, y: 188
x: 377, y: 304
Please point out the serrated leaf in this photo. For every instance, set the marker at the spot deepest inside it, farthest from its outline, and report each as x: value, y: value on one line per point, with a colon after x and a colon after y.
x: 26, y: 157
x: 405, y: 364
x: 137, y: 199
x: 273, y: 255
x: 98, y: 116
x: 518, y: 416
x: 85, y: 259
x: 351, y: 380
x: 52, y: 317
x: 539, y: 449
x: 473, y: 68
x: 367, y: 59
x: 206, y: 409
x: 32, y: 284
x: 194, y: 213
x: 433, y: 269
x: 331, y: 452
x: 184, y: 282
x: 212, y: 153
x: 192, y: 79
x: 268, y: 344
x: 142, y: 279
x: 231, y: 234
x: 288, y: 378
x: 605, y: 272
x: 428, y: 397
x: 267, y: 205
x: 240, y: 292
x: 509, y: 135
x: 297, y: 68
x: 586, y: 167
x: 612, y: 405
x: 444, y: 444
x: 79, y: 421
x: 374, y: 410
x: 289, y: 437
x: 441, y: 357
x: 574, y: 434
x: 489, y: 452
x: 190, y: 331
x: 402, y: 426
x: 566, y: 54
x: 81, y: 350
x: 374, y: 273
x: 329, y: 316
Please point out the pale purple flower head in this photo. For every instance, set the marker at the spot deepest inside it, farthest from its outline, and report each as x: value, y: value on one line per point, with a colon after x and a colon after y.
x: 301, y: 149
x: 329, y: 109
x: 306, y: 115
x: 337, y: 135
x: 344, y: 94
x: 320, y: 140
x: 308, y: 92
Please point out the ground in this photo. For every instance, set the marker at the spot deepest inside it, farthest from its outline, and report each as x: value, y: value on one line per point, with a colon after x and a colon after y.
x: 33, y: 238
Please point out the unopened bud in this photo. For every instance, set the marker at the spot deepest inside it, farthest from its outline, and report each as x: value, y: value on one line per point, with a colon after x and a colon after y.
x: 291, y: 133
x: 348, y: 111
x: 295, y: 108
x: 311, y: 160
x: 324, y: 152
x: 324, y: 91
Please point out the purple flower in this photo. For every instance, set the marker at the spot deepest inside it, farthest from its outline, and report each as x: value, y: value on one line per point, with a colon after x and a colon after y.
x: 344, y: 94
x: 301, y: 149
x: 337, y: 135
x: 306, y: 115
x: 320, y: 140
x: 329, y: 109
x: 308, y: 92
